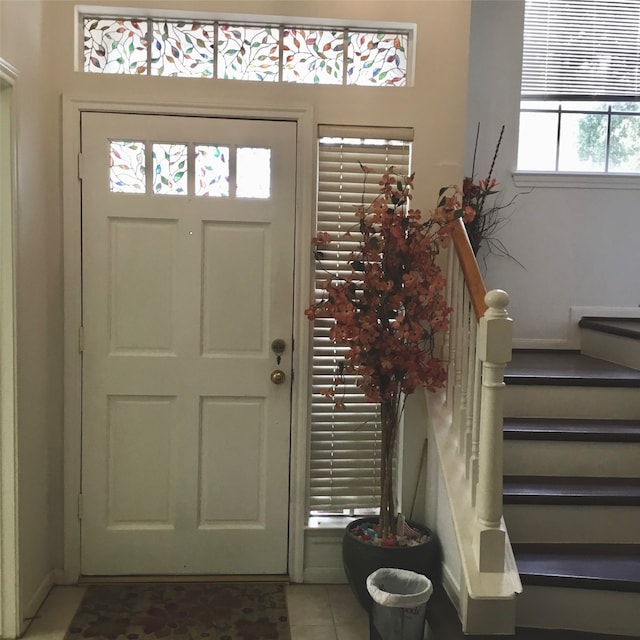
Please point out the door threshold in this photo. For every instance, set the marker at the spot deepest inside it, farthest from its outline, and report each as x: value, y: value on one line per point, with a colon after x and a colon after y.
x: 87, y: 580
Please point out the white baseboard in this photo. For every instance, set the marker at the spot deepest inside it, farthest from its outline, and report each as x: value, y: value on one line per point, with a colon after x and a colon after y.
x: 451, y: 586
x: 35, y: 602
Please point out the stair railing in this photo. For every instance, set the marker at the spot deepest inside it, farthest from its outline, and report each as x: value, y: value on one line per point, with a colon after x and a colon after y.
x: 477, y: 348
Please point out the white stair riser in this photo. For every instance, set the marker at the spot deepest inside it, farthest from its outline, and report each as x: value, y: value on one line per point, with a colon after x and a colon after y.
x: 572, y: 523
x: 545, y: 458
x: 607, y: 346
x: 579, y: 609
x: 542, y: 401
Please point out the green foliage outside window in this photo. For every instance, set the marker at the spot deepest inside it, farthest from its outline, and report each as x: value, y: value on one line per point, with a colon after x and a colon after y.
x: 624, y: 140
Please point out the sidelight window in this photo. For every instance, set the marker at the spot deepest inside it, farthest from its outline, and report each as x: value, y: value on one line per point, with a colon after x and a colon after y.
x: 345, y: 443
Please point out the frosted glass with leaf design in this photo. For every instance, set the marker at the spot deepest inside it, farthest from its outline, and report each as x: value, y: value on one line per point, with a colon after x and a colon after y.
x: 115, y: 46
x: 313, y: 56
x: 248, y: 53
x: 212, y: 170
x: 378, y: 59
x: 182, y: 49
x: 170, y: 169
x: 265, y: 52
x: 127, y: 167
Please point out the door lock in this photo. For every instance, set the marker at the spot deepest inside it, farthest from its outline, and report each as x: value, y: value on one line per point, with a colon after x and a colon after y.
x: 278, y: 346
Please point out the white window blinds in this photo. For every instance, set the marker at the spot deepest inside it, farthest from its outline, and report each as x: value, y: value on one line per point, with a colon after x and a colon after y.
x: 581, y: 49
x: 345, y: 443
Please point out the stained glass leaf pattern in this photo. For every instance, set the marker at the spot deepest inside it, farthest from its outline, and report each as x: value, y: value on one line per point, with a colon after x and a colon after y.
x: 212, y: 171
x: 115, y: 46
x: 127, y: 167
x: 248, y: 53
x: 253, y: 172
x: 378, y: 59
x: 169, y: 169
x: 182, y: 49
x: 312, y: 56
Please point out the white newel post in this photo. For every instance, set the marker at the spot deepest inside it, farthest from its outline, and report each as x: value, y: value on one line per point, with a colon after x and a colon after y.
x: 494, y: 351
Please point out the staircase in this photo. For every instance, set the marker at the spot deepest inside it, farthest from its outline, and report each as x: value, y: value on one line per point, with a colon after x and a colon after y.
x: 572, y: 484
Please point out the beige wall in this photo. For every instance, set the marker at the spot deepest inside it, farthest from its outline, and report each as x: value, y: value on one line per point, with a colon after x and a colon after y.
x: 38, y: 38
x: 39, y: 302
x: 435, y: 106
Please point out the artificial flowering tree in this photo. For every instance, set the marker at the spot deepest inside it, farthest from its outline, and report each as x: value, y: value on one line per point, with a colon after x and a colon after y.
x: 389, y: 309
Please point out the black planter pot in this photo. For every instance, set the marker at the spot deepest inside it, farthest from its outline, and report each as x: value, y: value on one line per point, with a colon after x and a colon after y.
x: 361, y: 559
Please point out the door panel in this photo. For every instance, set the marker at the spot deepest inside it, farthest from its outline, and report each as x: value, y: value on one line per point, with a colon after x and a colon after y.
x: 185, y: 464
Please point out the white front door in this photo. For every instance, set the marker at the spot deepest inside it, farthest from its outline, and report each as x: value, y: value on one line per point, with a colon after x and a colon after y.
x: 187, y: 278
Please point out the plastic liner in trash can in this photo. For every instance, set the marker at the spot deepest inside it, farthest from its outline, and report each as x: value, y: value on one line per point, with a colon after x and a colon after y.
x: 399, y: 604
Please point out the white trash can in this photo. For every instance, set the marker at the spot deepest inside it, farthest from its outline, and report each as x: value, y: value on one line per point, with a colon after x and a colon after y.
x: 399, y: 604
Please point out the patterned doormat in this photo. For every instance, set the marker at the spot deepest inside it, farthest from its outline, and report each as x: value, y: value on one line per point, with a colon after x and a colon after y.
x: 225, y: 611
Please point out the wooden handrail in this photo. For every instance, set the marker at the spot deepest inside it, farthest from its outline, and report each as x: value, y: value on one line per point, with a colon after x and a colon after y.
x: 469, y: 266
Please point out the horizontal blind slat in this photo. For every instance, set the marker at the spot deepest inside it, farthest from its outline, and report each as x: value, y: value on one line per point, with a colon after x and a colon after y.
x: 344, y: 443
x: 581, y: 48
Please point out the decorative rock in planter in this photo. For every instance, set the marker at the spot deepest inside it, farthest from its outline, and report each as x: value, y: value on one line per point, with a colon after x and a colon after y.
x: 360, y: 559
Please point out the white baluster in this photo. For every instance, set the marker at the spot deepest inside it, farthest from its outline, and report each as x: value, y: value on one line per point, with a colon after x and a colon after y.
x: 454, y: 279
x: 475, y: 428
x: 446, y: 341
x: 458, y: 358
x: 464, y: 367
x: 472, y: 393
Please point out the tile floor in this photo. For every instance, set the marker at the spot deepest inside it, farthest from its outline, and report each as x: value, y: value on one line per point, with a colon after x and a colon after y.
x: 316, y: 612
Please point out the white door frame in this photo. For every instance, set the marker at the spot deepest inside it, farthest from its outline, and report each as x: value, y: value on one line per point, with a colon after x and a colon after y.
x: 10, y: 613
x: 305, y: 170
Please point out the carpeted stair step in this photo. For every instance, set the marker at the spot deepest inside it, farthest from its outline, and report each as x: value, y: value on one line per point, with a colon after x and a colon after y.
x: 571, y: 490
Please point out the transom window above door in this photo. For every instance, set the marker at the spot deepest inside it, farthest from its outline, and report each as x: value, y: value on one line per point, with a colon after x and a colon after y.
x: 266, y: 52
x: 189, y: 169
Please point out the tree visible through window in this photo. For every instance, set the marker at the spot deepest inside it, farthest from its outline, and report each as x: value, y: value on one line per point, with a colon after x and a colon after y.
x: 621, y: 130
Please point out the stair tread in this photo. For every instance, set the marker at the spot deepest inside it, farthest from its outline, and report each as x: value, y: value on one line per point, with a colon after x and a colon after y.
x: 599, y: 567
x: 570, y: 368
x: 626, y: 327
x: 594, y: 566
x: 571, y: 490
x: 571, y: 429
x: 444, y: 624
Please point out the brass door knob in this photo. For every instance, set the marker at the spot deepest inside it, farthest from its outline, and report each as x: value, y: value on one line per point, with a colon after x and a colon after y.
x: 278, y: 376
